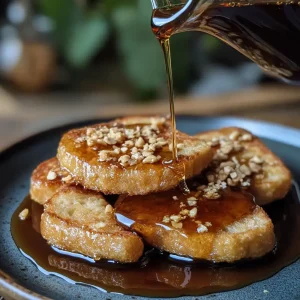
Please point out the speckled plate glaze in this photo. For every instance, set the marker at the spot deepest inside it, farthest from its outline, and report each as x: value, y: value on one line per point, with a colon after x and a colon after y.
x: 20, y: 279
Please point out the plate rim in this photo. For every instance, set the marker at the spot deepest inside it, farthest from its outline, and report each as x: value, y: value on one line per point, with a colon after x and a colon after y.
x: 12, y: 289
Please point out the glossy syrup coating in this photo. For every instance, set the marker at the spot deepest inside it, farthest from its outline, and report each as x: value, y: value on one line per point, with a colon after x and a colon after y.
x: 82, y: 221
x: 160, y: 277
x: 226, y: 229
x: 268, y: 176
x: 123, y: 166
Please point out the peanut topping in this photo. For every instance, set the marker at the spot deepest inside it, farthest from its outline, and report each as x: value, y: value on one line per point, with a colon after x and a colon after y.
x: 175, y: 218
x: 228, y: 169
x: 176, y: 225
x: 193, y: 212
x: 202, y: 228
x: 192, y: 202
x: 151, y: 159
x: 51, y: 175
x: 166, y: 219
x: 24, y: 214
x: 136, y: 144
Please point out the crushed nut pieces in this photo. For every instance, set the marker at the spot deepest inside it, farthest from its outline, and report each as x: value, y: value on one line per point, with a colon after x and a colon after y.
x: 56, y: 172
x: 24, y: 214
x: 228, y: 170
x: 187, y: 212
x: 135, y: 145
x: 202, y: 228
x: 51, y: 175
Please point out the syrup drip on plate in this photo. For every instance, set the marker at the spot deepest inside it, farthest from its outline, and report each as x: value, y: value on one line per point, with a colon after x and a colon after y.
x: 160, y: 274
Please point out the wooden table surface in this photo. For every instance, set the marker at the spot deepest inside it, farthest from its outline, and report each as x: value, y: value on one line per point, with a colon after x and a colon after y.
x: 22, y: 115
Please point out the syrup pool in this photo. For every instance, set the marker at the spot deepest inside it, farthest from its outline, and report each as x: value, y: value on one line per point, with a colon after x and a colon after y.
x: 159, y: 274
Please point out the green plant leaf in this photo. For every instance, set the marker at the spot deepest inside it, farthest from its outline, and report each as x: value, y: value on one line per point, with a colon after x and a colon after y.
x: 108, y: 6
x: 86, y: 38
x: 64, y: 15
x: 141, y: 53
x: 181, y: 60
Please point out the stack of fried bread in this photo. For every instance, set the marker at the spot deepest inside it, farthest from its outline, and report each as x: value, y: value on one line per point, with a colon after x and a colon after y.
x: 229, y: 173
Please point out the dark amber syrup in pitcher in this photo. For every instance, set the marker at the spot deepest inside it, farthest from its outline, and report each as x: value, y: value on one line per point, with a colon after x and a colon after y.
x: 267, y: 32
x: 160, y: 274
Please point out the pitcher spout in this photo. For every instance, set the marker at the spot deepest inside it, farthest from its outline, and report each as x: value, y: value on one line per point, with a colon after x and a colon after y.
x: 168, y: 15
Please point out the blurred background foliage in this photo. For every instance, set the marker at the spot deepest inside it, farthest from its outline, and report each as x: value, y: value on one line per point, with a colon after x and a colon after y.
x: 80, y: 32
x: 109, y: 44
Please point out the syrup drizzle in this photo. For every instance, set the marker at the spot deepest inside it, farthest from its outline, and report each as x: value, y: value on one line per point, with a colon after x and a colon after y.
x: 164, y: 41
x: 139, y: 209
x: 165, y: 44
x: 160, y: 274
x: 179, y: 171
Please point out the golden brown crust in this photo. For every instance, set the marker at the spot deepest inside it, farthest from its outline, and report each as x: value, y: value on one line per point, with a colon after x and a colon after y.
x: 275, y: 180
x: 249, y: 236
x: 78, y: 220
x: 41, y: 188
x: 110, y: 177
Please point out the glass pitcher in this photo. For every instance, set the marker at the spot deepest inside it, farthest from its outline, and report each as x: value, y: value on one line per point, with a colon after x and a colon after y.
x: 267, y: 32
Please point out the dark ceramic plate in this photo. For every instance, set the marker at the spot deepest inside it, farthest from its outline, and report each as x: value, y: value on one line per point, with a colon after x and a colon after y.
x: 19, y: 278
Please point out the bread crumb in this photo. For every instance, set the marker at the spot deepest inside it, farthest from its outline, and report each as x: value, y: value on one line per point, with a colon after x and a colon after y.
x: 24, y: 214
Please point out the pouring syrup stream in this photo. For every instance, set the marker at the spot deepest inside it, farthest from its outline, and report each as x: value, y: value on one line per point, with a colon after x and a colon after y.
x: 165, y: 44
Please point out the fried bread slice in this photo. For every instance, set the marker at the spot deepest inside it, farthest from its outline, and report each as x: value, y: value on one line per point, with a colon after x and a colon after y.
x: 130, y: 156
x: 81, y: 221
x: 242, y: 159
x: 225, y: 229
x: 47, y: 179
